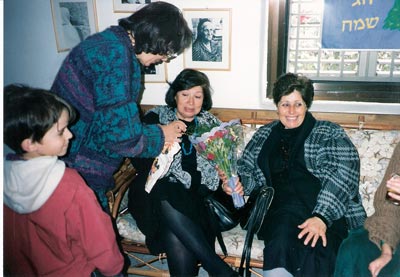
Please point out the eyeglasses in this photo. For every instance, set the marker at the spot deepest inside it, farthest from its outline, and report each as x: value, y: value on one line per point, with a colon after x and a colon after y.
x: 170, y: 56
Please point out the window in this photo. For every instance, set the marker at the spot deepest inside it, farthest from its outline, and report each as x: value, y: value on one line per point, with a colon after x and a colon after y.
x: 294, y: 45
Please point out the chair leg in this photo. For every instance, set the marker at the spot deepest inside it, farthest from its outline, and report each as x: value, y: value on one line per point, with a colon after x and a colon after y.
x: 144, y: 272
x: 151, y: 271
x: 255, y: 273
x: 148, y: 263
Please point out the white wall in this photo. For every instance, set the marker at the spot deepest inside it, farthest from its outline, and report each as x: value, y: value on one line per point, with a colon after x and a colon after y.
x: 30, y: 53
x: 31, y: 57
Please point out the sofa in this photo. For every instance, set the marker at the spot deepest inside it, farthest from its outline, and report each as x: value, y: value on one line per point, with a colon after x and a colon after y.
x: 374, y: 143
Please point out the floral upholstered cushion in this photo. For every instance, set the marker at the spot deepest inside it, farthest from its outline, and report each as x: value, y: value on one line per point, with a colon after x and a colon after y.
x: 233, y: 239
x: 375, y: 149
x: 128, y: 229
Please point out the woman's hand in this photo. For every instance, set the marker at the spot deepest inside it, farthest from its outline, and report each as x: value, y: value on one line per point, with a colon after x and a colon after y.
x: 225, y: 187
x: 394, y: 185
x: 173, y: 131
x: 376, y: 265
x: 314, y: 228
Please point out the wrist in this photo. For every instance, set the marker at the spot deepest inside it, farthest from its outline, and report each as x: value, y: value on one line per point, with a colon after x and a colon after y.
x: 386, y: 254
x: 386, y: 249
x: 321, y: 218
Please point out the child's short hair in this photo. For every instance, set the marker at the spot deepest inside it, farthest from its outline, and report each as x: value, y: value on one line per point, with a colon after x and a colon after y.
x: 30, y: 113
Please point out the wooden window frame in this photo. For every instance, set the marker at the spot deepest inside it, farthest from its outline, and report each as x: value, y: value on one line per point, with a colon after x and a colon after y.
x: 278, y: 24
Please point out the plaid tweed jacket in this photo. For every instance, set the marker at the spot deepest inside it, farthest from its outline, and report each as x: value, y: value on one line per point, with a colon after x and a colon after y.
x: 331, y: 157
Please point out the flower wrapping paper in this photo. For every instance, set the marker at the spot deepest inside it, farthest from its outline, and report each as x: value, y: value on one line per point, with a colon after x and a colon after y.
x: 222, y: 145
x: 161, y: 164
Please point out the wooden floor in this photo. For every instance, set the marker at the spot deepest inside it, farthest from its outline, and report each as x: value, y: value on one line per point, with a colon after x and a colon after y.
x: 163, y: 265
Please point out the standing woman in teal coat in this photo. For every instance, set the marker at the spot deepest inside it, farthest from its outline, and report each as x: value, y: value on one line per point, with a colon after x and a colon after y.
x: 101, y: 77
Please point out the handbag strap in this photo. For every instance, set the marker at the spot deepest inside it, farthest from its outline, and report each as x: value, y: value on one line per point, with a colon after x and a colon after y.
x: 214, y: 226
x: 256, y: 218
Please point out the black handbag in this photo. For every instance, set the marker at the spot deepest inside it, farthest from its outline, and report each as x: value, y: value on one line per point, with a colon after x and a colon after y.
x: 220, y: 207
x: 259, y: 203
x: 224, y: 216
x: 227, y: 219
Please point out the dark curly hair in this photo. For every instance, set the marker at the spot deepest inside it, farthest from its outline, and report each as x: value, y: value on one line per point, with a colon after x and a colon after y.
x: 158, y: 28
x: 289, y: 82
x: 187, y: 79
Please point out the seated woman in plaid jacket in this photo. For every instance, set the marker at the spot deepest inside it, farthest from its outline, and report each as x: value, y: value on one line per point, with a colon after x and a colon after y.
x: 314, y: 168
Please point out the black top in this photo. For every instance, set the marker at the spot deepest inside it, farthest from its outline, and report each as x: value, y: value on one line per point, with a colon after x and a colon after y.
x: 282, y: 161
x: 145, y: 207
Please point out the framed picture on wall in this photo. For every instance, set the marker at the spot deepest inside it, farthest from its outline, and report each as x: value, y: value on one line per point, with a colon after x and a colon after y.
x: 155, y: 73
x: 211, y: 42
x: 129, y: 5
x: 74, y: 21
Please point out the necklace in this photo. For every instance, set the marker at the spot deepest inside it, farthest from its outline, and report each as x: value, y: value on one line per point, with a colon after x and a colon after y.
x: 187, y: 152
x: 187, y: 146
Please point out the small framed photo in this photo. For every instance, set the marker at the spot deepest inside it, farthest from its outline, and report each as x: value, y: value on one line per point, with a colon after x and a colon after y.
x: 74, y: 21
x: 129, y: 5
x: 211, y: 42
x: 155, y: 73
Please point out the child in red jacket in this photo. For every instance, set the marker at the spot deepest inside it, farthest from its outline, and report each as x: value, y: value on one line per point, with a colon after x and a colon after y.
x: 53, y: 223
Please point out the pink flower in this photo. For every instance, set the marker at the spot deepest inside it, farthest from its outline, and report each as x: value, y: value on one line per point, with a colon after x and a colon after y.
x: 210, y: 156
x: 202, y: 146
x: 219, y: 134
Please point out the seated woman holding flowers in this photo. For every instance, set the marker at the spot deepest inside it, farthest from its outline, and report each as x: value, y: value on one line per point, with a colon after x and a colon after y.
x: 173, y: 215
x: 314, y: 169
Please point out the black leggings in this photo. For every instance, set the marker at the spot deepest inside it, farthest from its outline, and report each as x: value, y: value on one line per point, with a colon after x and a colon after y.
x: 186, y: 245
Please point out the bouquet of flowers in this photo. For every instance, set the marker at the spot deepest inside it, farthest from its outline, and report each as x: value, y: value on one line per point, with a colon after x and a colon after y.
x: 222, y: 145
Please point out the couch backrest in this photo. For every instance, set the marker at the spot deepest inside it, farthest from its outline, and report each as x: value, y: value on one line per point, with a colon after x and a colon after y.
x: 374, y: 135
x: 375, y: 148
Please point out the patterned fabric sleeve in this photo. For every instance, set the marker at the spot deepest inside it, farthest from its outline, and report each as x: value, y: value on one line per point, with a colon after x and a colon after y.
x: 250, y: 173
x: 333, y: 159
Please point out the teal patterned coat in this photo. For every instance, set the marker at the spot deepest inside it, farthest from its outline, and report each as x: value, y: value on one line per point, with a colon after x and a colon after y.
x: 101, y: 78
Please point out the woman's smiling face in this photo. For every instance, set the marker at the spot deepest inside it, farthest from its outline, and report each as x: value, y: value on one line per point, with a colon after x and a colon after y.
x: 292, y: 110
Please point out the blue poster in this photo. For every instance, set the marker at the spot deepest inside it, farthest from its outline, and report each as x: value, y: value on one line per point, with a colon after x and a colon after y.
x: 361, y: 24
